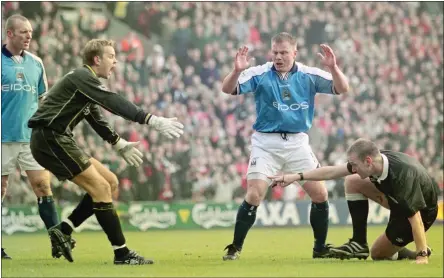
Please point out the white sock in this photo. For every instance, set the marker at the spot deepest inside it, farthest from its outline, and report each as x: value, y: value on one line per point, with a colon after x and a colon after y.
x: 118, y: 247
x: 355, y: 197
x: 394, y: 257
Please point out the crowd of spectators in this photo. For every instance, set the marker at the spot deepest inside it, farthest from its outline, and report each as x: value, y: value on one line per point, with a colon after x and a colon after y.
x: 390, y: 51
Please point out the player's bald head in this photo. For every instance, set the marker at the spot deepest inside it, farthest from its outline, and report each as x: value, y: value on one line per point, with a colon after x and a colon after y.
x: 363, y: 148
x: 13, y: 21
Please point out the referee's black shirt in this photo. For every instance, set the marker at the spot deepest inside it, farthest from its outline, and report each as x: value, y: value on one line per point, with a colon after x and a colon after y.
x: 406, y: 184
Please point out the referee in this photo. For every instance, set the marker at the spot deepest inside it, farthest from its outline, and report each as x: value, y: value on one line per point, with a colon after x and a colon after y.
x: 407, y: 190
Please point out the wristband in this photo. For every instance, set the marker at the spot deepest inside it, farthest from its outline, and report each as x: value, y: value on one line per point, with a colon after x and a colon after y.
x: 422, y: 254
x: 301, y: 175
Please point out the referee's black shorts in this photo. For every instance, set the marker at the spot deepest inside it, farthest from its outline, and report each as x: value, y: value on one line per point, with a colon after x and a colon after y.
x: 58, y: 153
x: 399, y: 230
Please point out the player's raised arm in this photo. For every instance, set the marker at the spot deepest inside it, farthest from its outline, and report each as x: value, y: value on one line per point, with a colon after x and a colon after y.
x: 97, y: 93
x: 241, y: 63
x: 328, y: 59
x: 319, y: 174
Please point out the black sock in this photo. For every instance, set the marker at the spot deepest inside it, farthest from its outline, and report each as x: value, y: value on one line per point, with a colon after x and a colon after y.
x: 319, y: 223
x: 405, y: 253
x: 359, y: 214
x: 109, y: 221
x: 47, y: 211
x: 246, y: 215
x: 82, y: 212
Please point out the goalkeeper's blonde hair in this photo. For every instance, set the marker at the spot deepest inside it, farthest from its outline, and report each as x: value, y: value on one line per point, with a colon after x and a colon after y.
x: 95, y: 48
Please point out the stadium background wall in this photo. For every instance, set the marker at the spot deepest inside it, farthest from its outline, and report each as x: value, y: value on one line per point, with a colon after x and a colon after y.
x: 143, y: 216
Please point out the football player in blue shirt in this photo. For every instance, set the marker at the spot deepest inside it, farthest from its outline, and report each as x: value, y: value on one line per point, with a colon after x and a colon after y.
x: 284, y: 92
x: 23, y: 85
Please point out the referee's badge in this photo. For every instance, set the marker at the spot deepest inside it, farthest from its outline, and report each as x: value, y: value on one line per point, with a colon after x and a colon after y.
x: 286, y: 94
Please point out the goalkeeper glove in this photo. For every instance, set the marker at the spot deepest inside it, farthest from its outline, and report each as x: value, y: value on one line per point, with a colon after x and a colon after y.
x: 129, y: 152
x: 169, y: 127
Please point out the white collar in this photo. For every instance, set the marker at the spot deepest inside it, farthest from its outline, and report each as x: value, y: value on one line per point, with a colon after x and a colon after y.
x: 385, y: 168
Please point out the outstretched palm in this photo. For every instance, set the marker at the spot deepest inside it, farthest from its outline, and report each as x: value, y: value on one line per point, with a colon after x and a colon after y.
x: 329, y: 58
x: 242, y: 61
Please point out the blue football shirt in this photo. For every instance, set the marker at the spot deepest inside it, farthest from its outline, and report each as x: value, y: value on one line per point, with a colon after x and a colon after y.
x: 23, y: 83
x: 284, y: 103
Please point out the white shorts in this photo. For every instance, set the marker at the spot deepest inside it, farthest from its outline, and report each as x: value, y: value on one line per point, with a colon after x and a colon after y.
x: 271, y: 154
x: 17, y: 152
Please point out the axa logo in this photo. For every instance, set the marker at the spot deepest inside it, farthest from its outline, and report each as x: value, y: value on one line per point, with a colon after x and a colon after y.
x: 15, y: 88
x: 292, y: 107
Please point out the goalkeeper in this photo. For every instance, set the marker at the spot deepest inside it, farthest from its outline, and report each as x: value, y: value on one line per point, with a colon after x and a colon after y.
x: 75, y: 97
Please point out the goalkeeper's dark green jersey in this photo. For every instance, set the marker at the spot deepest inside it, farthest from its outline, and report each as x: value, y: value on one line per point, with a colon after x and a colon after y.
x: 406, y: 184
x: 77, y: 96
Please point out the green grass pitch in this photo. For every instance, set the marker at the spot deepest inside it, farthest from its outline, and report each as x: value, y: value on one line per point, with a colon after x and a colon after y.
x: 281, y: 252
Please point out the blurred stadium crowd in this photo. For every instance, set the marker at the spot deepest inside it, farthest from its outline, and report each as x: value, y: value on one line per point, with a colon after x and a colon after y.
x: 391, y: 53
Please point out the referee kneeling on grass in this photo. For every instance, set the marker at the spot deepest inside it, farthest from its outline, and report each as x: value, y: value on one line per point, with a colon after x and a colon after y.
x: 394, y: 180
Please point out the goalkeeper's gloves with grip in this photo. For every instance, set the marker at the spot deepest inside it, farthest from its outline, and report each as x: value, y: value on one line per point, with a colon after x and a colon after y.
x: 169, y: 127
x: 129, y: 152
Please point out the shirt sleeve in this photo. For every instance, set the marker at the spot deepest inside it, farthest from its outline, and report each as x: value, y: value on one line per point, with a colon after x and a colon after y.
x: 94, y: 90
x: 101, y: 126
x: 43, y: 82
x: 323, y: 80
x: 250, y: 79
x: 247, y: 86
x: 408, y: 195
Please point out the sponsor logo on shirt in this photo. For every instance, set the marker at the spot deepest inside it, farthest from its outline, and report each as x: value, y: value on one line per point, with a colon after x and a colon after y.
x: 15, y: 88
x: 291, y: 107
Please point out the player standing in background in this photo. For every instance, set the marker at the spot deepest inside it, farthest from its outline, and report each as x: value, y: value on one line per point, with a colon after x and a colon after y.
x: 284, y: 92
x: 23, y: 85
x: 77, y: 96
x: 396, y: 181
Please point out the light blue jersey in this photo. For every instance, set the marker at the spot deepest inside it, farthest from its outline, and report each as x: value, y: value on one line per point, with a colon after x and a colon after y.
x: 23, y: 83
x: 284, y: 104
